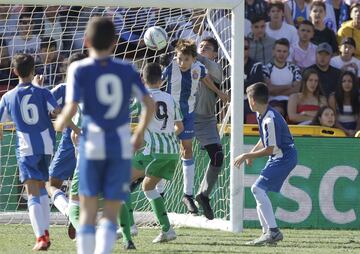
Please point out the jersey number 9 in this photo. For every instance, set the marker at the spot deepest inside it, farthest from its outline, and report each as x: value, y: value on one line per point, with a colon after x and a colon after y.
x: 109, y: 93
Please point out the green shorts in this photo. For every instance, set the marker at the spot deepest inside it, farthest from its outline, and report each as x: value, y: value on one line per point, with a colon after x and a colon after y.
x: 159, y: 165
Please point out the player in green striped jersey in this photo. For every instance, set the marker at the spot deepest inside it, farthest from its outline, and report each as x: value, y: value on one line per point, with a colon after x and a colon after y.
x: 158, y: 158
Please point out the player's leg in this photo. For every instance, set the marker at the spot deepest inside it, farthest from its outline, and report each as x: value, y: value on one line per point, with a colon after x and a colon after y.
x: 158, y: 207
x: 61, y: 168
x: 210, y: 178
x: 115, y: 188
x: 188, y: 174
x: 126, y: 218
x: 90, y: 173
x: 74, y: 205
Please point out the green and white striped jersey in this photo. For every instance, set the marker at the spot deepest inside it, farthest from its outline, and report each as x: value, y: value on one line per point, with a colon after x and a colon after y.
x: 160, y: 135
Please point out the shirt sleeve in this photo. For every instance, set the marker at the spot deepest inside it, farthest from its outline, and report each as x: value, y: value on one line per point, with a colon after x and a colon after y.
x: 59, y: 93
x: 135, y: 108
x: 203, y: 71
x: 4, y: 114
x: 72, y: 93
x: 296, y: 73
x: 269, y: 133
x: 50, y: 100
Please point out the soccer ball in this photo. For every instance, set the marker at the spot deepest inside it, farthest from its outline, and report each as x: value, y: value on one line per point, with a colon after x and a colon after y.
x: 155, y: 38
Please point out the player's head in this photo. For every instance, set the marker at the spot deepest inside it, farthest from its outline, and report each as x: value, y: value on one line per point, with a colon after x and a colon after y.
x: 100, y: 34
x: 23, y: 65
x: 258, y: 95
x: 152, y: 75
x: 185, y: 52
x: 48, y: 50
x: 75, y: 57
x: 209, y: 48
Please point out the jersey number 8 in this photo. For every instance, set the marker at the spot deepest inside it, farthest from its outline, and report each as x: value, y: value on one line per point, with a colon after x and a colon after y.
x: 109, y: 93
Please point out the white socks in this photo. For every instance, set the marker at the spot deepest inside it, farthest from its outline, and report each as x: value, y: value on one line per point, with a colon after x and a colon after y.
x: 105, y: 236
x: 85, y: 239
x: 36, y: 215
x: 45, y: 205
x: 60, y: 201
x: 189, y: 174
x: 264, y: 207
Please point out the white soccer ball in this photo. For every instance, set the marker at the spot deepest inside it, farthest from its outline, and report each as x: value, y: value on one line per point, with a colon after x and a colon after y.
x: 155, y: 38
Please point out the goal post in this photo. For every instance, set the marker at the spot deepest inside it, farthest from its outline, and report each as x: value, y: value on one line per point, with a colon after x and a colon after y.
x: 234, y: 220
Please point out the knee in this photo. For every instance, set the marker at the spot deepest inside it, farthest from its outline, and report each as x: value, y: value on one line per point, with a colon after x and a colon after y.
x: 216, y: 154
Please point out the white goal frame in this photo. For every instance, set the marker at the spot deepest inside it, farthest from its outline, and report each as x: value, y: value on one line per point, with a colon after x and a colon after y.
x: 237, y: 88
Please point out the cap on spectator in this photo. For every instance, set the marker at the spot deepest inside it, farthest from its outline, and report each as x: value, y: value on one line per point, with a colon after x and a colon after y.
x: 324, y: 47
x: 349, y: 41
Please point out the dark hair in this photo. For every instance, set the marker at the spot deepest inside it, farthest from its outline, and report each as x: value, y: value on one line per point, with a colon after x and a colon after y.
x: 24, y: 64
x: 187, y: 47
x: 317, y: 3
x: 316, y: 119
x: 152, y: 73
x: 340, y: 96
x: 213, y: 42
x: 277, y: 4
x: 48, y: 42
x: 76, y: 57
x: 305, y: 77
x: 307, y: 23
x: 282, y: 41
x: 100, y: 31
x: 259, y: 92
x: 257, y: 18
x: 25, y: 15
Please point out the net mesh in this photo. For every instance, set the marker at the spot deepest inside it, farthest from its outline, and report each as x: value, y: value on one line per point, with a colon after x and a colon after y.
x: 53, y: 33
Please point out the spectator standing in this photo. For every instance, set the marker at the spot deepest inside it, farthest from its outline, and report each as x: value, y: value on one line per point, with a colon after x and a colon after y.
x: 346, y: 60
x: 253, y: 73
x: 254, y: 8
x: 283, y: 78
x: 261, y: 43
x: 328, y: 75
x: 351, y: 28
x: 345, y: 102
x: 303, y: 106
x: 322, y: 32
x: 303, y: 52
x: 277, y: 28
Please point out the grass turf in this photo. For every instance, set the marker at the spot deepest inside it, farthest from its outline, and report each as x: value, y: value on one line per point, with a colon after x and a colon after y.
x: 20, y: 239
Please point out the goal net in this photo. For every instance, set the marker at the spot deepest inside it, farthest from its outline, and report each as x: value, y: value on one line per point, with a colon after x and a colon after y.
x: 53, y: 33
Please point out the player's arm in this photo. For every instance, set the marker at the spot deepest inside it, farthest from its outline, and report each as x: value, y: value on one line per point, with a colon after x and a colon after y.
x: 265, y: 151
x: 146, y: 116
x: 64, y: 118
x: 210, y: 84
x: 179, y: 127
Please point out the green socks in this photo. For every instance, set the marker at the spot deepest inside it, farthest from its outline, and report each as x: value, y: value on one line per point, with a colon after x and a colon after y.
x: 158, y: 206
x: 124, y: 222
x: 74, y: 214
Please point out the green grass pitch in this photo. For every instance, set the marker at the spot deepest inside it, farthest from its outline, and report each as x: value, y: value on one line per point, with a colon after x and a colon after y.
x: 20, y: 239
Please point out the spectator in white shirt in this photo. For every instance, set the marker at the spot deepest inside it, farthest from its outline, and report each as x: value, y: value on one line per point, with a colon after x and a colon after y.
x: 277, y: 27
x: 346, y: 60
x: 303, y: 53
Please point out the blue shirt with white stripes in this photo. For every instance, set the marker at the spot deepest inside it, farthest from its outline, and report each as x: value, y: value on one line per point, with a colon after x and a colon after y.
x: 105, y: 86
x: 183, y: 85
x: 28, y: 106
x: 275, y: 132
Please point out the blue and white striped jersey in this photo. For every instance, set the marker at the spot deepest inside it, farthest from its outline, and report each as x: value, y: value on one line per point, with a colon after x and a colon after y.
x: 29, y: 106
x: 274, y: 131
x: 105, y: 87
x: 183, y: 85
x: 59, y: 92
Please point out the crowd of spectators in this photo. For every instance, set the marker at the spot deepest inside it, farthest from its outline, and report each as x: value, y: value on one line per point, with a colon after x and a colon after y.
x: 309, y: 52
x: 300, y: 48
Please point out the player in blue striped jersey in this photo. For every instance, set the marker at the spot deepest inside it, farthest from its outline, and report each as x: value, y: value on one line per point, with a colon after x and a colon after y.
x: 183, y: 76
x: 104, y: 85
x: 30, y: 106
x: 277, y: 143
x: 64, y: 162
